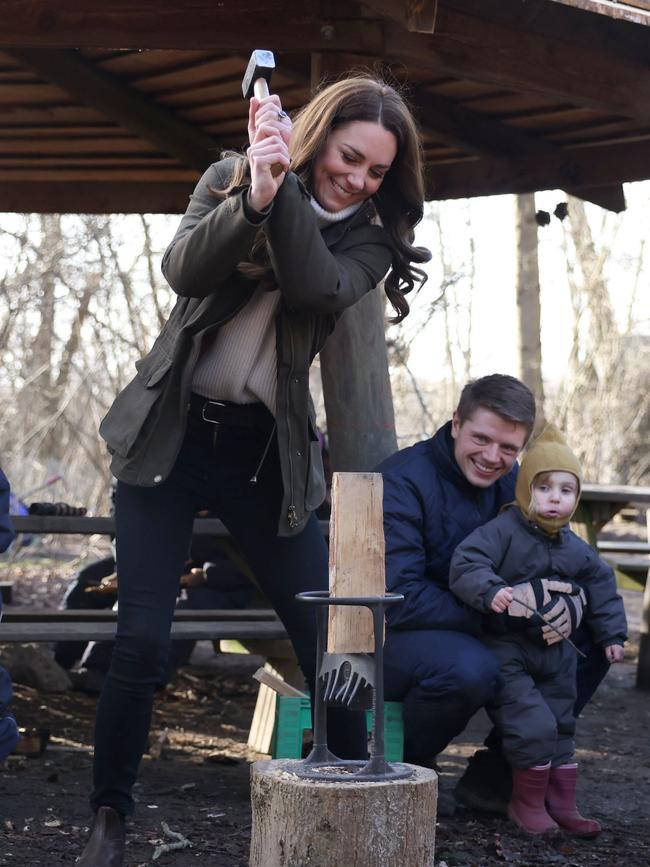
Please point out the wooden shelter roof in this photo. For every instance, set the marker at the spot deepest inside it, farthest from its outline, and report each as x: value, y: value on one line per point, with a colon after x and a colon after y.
x: 119, y: 106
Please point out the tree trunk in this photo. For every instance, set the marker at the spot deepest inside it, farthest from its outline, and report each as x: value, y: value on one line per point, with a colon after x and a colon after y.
x: 330, y: 824
x: 356, y: 389
x: 528, y: 303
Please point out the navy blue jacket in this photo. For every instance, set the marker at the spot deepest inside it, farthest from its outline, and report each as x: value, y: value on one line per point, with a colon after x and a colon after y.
x: 8, y: 728
x: 429, y: 507
x: 6, y: 529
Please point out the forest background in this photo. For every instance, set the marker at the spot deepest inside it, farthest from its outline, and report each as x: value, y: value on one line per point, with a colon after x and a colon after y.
x: 543, y: 287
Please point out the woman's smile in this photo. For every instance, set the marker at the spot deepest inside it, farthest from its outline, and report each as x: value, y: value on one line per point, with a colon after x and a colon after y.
x: 353, y: 164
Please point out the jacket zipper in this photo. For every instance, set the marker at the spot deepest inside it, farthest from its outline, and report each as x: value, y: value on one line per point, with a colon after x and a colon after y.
x: 253, y: 478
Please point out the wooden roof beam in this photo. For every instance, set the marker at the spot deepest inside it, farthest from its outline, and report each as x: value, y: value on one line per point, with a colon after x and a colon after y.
x: 481, y: 135
x: 231, y: 25
x: 121, y: 103
x: 483, y: 50
x: 569, y: 169
x: 94, y: 197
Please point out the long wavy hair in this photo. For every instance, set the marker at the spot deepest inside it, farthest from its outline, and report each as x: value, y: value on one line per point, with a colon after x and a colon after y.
x: 400, y: 199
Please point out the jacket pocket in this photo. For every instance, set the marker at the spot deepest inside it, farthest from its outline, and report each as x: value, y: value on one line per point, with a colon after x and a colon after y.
x: 130, y: 409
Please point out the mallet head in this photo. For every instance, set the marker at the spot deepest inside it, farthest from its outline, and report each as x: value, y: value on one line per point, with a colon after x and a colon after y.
x: 261, y: 65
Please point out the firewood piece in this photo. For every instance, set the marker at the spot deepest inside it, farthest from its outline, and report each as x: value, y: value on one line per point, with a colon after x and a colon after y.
x: 356, y: 560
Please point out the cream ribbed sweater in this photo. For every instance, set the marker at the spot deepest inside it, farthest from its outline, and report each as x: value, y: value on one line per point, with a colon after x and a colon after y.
x: 240, y: 364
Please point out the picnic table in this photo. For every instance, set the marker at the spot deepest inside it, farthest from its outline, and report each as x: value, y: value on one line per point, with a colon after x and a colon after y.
x: 44, y: 625
x: 598, y: 505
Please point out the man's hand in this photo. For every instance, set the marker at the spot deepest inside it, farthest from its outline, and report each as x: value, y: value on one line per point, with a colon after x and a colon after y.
x: 614, y: 653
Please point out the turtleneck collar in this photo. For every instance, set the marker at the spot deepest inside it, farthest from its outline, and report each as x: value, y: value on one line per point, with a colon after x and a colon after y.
x: 326, y: 217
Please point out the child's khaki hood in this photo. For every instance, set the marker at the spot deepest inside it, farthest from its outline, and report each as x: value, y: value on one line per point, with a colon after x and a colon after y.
x: 548, y: 453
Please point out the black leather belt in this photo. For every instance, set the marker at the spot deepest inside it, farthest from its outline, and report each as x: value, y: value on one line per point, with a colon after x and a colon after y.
x: 231, y: 414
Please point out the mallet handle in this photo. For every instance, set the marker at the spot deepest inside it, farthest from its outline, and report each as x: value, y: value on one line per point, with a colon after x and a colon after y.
x: 260, y: 88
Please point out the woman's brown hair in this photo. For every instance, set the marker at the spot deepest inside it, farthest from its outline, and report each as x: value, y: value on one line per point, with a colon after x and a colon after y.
x: 400, y: 198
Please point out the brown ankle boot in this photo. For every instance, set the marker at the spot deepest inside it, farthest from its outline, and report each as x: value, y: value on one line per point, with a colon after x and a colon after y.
x: 561, y: 803
x: 105, y: 846
x: 526, y: 807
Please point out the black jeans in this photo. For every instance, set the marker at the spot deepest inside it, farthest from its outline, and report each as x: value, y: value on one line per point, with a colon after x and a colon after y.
x: 154, y: 526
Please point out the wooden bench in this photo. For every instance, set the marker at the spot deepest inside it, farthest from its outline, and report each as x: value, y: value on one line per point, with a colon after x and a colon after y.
x: 42, y: 625
x: 633, y: 567
x: 26, y: 625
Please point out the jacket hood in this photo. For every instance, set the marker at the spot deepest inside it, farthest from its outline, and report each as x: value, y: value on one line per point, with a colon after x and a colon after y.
x: 547, y: 453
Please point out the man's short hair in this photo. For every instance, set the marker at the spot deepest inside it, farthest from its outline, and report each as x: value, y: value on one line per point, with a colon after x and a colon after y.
x: 505, y: 395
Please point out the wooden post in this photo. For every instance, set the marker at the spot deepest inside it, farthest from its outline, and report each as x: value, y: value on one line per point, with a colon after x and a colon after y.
x: 643, y: 668
x: 311, y: 822
x: 356, y: 559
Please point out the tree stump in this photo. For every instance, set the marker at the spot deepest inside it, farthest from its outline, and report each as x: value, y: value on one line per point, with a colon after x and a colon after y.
x: 313, y: 823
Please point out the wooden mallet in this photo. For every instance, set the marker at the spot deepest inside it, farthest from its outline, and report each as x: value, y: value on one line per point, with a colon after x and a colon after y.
x: 256, y: 83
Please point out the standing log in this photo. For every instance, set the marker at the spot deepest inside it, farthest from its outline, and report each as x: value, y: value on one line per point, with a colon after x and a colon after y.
x: 306, y: 823
x: 356, y: 559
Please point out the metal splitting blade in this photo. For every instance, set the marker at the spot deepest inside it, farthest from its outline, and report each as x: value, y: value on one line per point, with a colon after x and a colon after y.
x: 348, y: 679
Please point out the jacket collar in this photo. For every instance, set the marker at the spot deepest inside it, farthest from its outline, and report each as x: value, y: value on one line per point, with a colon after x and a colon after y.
x: 442, y: 447
x: 535, y: 529
x: 335, y: 231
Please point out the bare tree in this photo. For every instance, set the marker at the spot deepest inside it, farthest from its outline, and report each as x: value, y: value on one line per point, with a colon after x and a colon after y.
x: 528, y: 301
x: 78, y: 308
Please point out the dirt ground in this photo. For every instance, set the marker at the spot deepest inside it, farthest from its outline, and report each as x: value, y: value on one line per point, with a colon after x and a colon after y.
x: 199, y: 785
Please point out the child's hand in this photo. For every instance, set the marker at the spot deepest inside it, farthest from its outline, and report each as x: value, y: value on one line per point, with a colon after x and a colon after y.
x: 501, y: 600
x: 614, y: 653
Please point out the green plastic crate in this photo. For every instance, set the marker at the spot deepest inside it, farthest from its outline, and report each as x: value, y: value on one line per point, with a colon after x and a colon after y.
x: 293, y: 717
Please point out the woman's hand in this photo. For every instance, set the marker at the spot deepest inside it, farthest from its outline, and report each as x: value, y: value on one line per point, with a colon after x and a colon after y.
x: 269, y: 131
x: 502, y: 598
x: 266, y: 117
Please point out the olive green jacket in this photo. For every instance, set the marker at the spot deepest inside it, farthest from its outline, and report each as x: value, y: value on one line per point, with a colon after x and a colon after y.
x: 318, y: 274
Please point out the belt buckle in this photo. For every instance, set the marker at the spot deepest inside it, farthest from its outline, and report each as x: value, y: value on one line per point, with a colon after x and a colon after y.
x: 212, y: 403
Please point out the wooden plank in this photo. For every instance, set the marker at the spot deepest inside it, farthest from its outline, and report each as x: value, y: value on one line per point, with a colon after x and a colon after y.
x: 107, y: 615
x: 277, y: 684
x: 117, y: 100
x: 615, y: 493
x: 106, y: 196
x: 478, y: 134
x: 87, y: 525
x: 624, y: 547
x: 188, y: 630
x: 42, y: 144
x: 151, y: 24
x: 356, y: 558
x: 568, y: 168
x: 636, y: 11
x: 629, y: 565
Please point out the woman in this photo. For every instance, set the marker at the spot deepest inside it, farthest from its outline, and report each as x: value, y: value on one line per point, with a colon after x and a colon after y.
x: 271, y: 250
